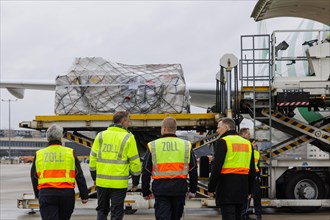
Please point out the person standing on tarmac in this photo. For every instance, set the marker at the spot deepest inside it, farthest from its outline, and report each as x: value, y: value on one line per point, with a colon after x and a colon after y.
x: 232, y: 172
x: 53, y: 174
x: 168, y: 161
x: 256, y: 194
x: 114, y: 156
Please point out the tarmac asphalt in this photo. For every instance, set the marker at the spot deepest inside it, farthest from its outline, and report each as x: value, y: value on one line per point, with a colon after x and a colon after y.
x: 15, y: 180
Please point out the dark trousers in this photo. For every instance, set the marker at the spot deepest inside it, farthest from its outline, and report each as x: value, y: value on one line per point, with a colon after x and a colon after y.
x: 256, y: 195
x: 116, y: 196
x: 169, y: 207
x: 231, y: 211
x: 56, y: 207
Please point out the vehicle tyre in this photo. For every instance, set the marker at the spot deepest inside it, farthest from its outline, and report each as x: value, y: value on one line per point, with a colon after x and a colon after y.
x: 304, y: 185
x: 204, y: 167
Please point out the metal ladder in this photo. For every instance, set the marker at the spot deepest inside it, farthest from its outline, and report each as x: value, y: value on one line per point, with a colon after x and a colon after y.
x: 256, y: 92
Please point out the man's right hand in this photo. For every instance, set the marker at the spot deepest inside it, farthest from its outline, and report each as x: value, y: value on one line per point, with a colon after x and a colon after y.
x: 134, y: 188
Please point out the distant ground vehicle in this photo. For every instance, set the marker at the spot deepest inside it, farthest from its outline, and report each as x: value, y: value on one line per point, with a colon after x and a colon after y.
x: 7, y: 160
x: 26, y: 159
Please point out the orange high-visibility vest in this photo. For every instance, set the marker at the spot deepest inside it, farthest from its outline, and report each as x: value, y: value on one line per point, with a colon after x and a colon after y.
x: 55, y: 166
x: 170, y: 158
x: 239, y: 151
x: 256, y: 159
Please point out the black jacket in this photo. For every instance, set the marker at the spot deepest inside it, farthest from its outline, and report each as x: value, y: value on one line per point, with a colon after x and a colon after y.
x: 229, y: 188
x: 168, y: 187
x: 80, y: 179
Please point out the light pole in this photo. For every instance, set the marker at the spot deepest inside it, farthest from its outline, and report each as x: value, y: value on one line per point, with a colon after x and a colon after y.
x: 9, y: 133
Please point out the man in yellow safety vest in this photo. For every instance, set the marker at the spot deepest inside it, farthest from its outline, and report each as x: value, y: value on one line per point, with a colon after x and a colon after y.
x: 113, y: 158
x: 232, y: 172
x: 53, y: 174
x: 256, y: 194
x: 169, y: 160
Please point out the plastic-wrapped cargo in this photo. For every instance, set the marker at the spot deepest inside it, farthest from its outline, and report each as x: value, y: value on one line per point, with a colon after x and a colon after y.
x: 97, y: 86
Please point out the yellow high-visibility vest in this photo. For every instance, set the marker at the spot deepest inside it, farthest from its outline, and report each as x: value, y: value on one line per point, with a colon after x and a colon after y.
x: 170, y: 158
x: 114, y: 156
x: 237, y: 160
x: 256, y: 159
x: 55, y: 166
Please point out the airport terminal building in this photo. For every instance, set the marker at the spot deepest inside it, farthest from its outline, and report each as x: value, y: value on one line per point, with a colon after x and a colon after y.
x: 26, y: 143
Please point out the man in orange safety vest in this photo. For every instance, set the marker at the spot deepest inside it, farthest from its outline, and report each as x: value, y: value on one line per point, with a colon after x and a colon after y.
x: 169, y: 160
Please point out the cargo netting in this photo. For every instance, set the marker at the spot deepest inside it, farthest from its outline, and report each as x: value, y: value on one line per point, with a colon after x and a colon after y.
x: 97, y: 86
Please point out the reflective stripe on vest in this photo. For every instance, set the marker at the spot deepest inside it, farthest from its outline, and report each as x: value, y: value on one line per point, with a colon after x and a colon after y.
x: 238, y: 157
x: 256, y: 159
x: 170, y: 158
x: 55, y: 166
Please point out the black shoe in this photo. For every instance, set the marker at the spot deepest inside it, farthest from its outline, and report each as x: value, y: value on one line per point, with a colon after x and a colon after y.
x: 259, y: 217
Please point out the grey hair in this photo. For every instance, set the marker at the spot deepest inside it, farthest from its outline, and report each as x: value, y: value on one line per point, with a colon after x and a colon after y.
x: 229, y: 122
x: 54, y: 133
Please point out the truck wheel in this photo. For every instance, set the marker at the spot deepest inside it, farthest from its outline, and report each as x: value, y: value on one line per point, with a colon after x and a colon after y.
x: 304, y: 185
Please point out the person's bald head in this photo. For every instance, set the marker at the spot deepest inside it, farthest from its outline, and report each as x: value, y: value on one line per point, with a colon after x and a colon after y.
x: 168, y: 126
